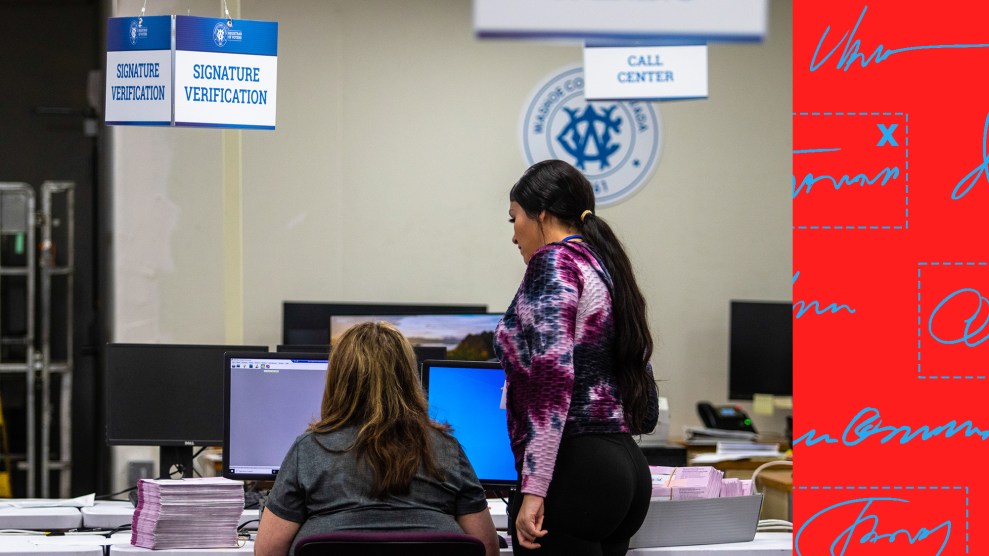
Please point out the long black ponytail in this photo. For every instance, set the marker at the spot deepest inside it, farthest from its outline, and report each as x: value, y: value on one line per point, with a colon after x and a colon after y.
x: 561, y: 190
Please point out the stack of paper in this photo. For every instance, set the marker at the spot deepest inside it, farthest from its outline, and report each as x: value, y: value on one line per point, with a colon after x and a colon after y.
x: 690, y: 483
x: 736, y: 487
x: 187, y: 513
x: 661, y: 476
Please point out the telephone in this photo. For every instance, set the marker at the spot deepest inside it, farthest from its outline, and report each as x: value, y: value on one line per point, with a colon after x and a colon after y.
x: 724, y: 417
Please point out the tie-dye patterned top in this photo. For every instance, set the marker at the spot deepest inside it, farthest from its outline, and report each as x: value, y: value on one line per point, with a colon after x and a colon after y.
x: 555, y: 345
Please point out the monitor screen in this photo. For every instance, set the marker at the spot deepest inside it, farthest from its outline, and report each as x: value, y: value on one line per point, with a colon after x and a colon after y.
x: 467, y: 396
x: 271, y: 399
x: 760, y: 349
x: 422, y: 352
x: 465, y: 337
x: 309, y: 322
x: 166, y: 395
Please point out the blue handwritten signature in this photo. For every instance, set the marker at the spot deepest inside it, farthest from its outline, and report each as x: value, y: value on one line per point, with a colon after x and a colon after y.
x: 969, y: 333
x: 972, y: 177
x: 868, y: 423
x: 851, y: 51
x: 871, y: 535
x: 801, y: 307
x: 808, y: 181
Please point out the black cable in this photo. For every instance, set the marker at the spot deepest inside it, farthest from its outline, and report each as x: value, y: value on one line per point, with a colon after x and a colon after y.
x: 110, y: 496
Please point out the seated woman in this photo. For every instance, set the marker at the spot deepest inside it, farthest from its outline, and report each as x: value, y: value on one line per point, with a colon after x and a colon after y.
x: 374, y: 460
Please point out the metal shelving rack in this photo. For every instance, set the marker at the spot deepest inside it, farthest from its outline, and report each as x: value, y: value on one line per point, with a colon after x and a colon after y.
x: 24, y: 276
x: 56, y: 267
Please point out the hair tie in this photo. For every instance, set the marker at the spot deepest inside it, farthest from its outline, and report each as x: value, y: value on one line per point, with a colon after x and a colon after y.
x: 584, y: 214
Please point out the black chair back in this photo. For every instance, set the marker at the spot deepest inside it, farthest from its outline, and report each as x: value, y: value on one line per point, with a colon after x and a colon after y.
x: 390, y: 543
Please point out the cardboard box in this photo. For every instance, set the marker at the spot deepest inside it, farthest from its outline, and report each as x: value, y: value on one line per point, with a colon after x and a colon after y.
x: 704, y: 521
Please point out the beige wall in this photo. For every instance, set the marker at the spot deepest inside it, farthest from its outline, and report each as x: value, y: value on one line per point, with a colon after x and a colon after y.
x: 387, y: 180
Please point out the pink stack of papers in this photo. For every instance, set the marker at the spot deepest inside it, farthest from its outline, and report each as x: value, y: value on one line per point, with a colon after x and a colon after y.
x: 187, y: 513
x: 691, y: 483
x: 731, y: 487
x: 661, y: 477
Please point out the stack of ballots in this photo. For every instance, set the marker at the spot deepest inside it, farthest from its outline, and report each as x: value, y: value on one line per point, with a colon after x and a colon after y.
x: 187, y: 513
x: 691, y: 483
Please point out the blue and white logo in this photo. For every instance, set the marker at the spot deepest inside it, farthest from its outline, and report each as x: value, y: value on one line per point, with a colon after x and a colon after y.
x: 616, y: 144
x: 132, y: 33
x: 220, y: 33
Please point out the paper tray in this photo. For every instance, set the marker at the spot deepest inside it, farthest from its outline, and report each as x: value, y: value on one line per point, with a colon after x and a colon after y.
x: 704, y: 521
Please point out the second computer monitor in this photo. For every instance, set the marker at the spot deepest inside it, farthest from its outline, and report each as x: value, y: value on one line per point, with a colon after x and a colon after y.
x: 465, y: 337
x: 467, y: 396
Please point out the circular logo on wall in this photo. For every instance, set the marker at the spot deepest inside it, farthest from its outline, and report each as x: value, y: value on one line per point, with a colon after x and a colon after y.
x: 616, y: 144
x: 220, y: 33
x: 133, y: 32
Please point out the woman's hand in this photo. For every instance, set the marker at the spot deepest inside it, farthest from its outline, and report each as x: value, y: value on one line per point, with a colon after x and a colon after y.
x: 529, y: 523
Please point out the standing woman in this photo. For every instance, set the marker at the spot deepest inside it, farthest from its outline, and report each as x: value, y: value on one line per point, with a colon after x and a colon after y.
x: 575, y: 345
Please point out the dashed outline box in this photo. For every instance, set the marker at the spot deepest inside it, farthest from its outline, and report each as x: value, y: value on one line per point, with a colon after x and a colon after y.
x: 906, y: 173
x: 896, y: 488
x: 920, y: 326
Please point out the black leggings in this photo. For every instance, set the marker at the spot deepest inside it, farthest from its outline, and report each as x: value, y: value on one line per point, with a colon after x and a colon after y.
x: 597, y: 500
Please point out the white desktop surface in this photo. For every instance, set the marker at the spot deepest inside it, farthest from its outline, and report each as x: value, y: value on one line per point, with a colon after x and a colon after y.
x: 81, y: 545
x: 40, y: 518
x: 498, y: 513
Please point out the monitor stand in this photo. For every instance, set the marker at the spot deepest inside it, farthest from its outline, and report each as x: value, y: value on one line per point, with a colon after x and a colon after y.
x: 170, y: 456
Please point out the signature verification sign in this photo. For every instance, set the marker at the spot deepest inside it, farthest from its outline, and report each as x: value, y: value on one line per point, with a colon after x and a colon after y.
x: 192, y: 71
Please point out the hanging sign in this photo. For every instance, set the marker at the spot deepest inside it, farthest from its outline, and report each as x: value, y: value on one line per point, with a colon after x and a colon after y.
x: 645, y: 72
x: 192, y: 71
x: 139, y: 71
x: 699, y: 20
x: 225, y: 75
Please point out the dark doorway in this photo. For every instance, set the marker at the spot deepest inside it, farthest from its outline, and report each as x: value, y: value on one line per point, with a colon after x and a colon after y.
x: 49, y: 130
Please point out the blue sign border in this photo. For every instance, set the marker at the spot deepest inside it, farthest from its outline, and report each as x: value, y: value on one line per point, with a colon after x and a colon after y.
x: 157, y: 37
x: 259, y: 38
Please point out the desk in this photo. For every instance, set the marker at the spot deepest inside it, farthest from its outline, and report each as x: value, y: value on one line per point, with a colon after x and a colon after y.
x: 40, y: 519
x: 79, y: 545
x: 764, y: 544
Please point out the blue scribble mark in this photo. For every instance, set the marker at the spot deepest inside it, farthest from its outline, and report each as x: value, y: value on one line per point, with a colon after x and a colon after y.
x: 871, y: 535
x: 809, y: 151
x: 801, y: 307
x: 810, y: 438
x: 862, y: 180
x: 868, y: 423
x: 968, y: 333
x: 850, y: 54
x: 979, y: 171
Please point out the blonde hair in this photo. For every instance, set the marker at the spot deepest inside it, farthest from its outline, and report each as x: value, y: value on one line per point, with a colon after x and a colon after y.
x: 372, y: 384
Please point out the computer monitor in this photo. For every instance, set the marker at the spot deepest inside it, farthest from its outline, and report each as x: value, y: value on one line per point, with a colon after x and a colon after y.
x: 467, y: 396
x: 166, y: 395
x: 270, y: 400
x: 760, y: 349
x: 465, y: 337
x: 307, y: 322
x: 303, y: 348
x: 422, y: 352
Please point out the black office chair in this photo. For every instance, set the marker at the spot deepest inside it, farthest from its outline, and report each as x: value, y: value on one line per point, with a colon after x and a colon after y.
x: 390, y: 543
